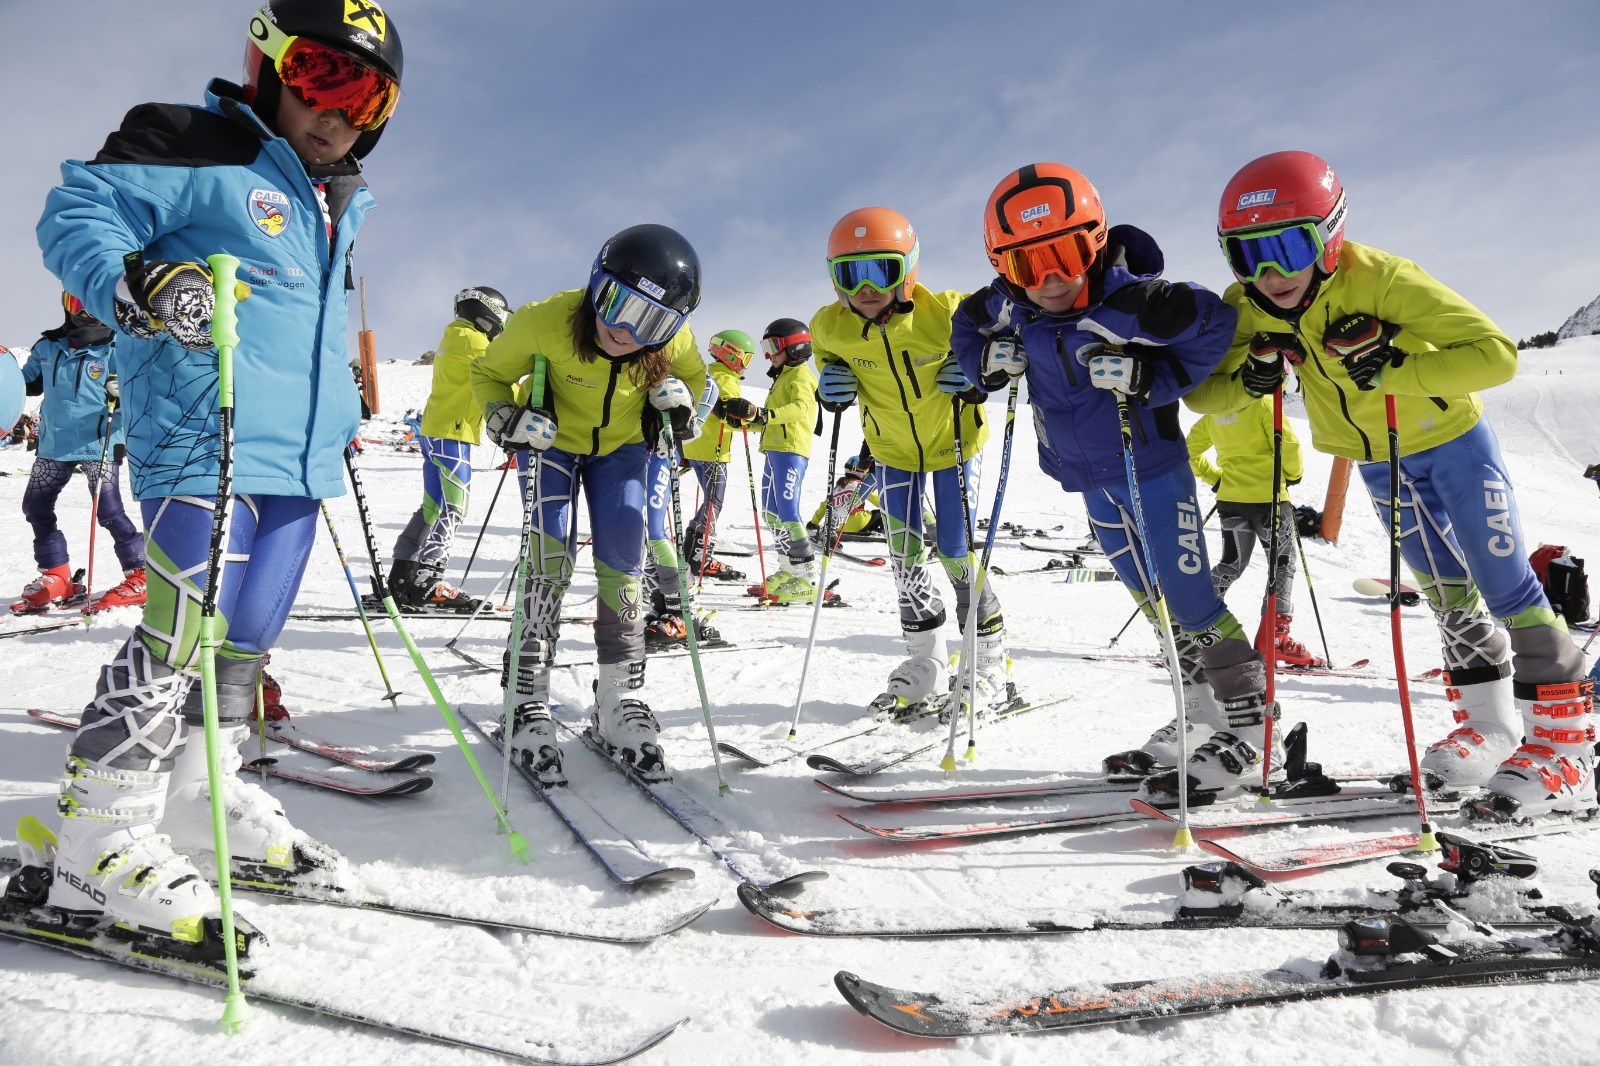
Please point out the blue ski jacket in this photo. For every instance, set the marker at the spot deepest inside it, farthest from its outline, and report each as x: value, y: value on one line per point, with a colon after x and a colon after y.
x: 1184, y: 328
x: 72, y: 413
x: 181, y: 183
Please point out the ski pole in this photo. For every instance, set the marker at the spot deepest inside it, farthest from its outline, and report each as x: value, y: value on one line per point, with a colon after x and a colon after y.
x: 94, y: 503
x: 1184, y: 837
x: 1426, y: 840
x: 1267, y: 631
x: 714, y: 491
x: 519, y: 843
x: 483, y: 603
x: 1136, y: 611
x: 1311, y: 590
x: 225, y: 335
x: 361, y: 609
x: 822, y: 576
x: 755, y: 507
x: 486, y: 516
x: 532, y: 523
x: 687, y: 592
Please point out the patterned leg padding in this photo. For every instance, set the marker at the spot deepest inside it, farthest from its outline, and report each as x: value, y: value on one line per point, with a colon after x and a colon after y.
x: 237, y: 675
x: 133, y: 721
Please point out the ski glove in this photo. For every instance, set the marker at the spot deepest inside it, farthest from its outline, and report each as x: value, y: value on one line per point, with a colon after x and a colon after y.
x: 113, y: 390
x: 739, y: 411
x: 672, y: 399
x: 514, y: 428
x: 1120, y: 371
x: 836, y: 387
x: 953, y: 380
x: 178, y: 298
x: 1263, y: 371
x: 1361, y: 344
x: 1002, y: 361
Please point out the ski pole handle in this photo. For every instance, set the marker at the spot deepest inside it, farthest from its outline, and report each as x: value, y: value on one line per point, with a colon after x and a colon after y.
x: 224, y: 321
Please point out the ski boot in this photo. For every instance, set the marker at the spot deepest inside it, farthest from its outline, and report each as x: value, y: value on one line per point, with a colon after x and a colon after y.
x: 533, y: 731
x: 55, y: 587
x: 1203, y: 717
x: 431, y: 592
x: 769, y: 591
x: 1486, y: 733
x: 1553, y: 772
x: 1231, y: 758
x: 717, y: 570
x: 797, y: 582
x: 1291, y: 652
x: 624, y: 725
x: 130, y: 593
x: 992, y: 688
x: 922, y: 678
x: 402, y: 584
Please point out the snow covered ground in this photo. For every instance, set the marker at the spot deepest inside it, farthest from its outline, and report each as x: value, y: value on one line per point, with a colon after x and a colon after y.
x: 751, y: 994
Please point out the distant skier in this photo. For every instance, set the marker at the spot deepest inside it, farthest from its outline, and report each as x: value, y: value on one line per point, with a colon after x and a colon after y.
x: 74, y: 368
x: 787, y: 423
x: 1242, y: 480
x: 731, y: 351
x: 1360, y: 325
x: 452, y: 422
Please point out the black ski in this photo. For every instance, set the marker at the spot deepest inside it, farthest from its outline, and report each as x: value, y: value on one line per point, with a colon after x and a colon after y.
x: 621, y: 856
x: 1379, y: 954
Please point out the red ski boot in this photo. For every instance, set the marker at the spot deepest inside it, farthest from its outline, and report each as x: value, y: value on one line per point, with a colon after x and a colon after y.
x: 128, y: 594
x: 1290, y: 651
x: 55, y: 587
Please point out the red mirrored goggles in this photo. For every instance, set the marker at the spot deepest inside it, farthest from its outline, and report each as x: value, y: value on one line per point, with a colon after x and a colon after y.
x: 1067, y: 254
x: 326, y: 79
x: 775, y: 345
x: 71, y: 304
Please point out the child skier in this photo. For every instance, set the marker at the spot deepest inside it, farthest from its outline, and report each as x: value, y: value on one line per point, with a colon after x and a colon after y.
x: 269, y: 172
x: 1083, y: 312
x: 731, y: 351
x: 609, y: 349
x: 787, y: 424
x: 886, y: 339
x: 73, y: 367
x: 1242, y: 480
x: 1362, y: 326
x: 664, y: 626
x: 452, y: 422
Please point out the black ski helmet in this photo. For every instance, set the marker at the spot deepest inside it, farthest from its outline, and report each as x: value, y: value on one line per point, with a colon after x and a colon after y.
x: 483, y: 308
x: 657, y: 255
x: 359, y: 28
x: 796, y: 352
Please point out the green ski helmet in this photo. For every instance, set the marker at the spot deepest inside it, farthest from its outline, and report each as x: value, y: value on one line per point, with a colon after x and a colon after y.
x: 733, y: 348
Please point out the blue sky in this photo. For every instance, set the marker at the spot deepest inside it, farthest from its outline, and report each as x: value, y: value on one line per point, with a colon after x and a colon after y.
x: 529, y: 132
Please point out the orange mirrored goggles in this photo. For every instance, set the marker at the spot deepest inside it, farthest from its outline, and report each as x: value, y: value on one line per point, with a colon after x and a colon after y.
x: 1067, y: 254
x: 326, y: 79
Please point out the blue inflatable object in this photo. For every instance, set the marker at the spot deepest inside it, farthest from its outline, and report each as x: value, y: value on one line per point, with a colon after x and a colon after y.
x: 13, y: 391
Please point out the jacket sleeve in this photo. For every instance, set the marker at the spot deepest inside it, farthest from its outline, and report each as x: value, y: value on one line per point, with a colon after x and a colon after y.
x: 507, y: 360
x: 1222, y: 391
x: 793, y: 408
x: 971, y: 327
x: 33, y: 372
x: 1293, y: 460
x: 1199, y: 443
x: 1471, y: 351
x: 1188, y: 322
x: 687, y: 366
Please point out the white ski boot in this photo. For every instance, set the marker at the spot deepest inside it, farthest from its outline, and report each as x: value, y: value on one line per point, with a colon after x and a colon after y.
x: 626, y: 726
x: 261, y: 841
x: 1231, y: 757
x: 533, y: 731
x: 990, y: 681
x: 920, y: 678
x: 1487, y: 729
x: 1553, y: 772
x: 110, y: 863
x: 1203, y: 716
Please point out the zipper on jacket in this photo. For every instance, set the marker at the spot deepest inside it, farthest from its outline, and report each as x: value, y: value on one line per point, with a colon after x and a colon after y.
x: 1066, y: 360
x: 1344, y: 403
x: 888, y: 350
x: 605, y: 407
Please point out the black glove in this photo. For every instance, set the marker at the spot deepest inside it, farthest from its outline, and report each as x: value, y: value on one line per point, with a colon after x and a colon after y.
x: 1361, y: 344
x: 1263, y: 371
x: 176, y: 297
x: 1292, y: 482
x: 119, y: 452
x: 739, y: 411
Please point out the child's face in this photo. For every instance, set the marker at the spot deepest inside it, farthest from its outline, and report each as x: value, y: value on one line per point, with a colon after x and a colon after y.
x: 868, y: 302
x: 1058, y: 294
x: 615, y: 341
x: 315, y: 136
x: 1284, y: 290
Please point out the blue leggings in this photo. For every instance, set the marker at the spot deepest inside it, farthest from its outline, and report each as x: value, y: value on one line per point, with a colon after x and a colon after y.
x: 780, y: 501
x: 446, y: 484
x: 45, y: 484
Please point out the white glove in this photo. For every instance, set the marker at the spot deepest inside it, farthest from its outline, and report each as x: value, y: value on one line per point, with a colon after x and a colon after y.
x: 1002, y: 360
x: 672, y: 399
x: 514, y: 428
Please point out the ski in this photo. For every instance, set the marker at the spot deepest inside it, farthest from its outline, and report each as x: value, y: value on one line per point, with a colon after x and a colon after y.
x: 758, y: 868
x: 1362, y: 804
x: 1259, y: 855
x: 353, y: 781
x: 913, y: 744
x: 1356, y: 669
x: 280, y: 981
x: 621, y: 856
x: 374, y: 760
x: 979, y: 792
x: 1379, y: 954
x: 678, y: 652
x: 1087, y: 548
x: 1379, y: 587
x: 1026, y: 823
x: 23, y: 625
x: 1070, y: 575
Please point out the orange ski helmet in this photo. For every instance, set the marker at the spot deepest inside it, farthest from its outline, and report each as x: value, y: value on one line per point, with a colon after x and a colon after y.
x: 874, y: 246
x: 1044, y: 218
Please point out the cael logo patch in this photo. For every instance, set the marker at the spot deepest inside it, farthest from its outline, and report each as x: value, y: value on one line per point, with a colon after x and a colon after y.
x: 1259, y: 198
x: 269, y: 210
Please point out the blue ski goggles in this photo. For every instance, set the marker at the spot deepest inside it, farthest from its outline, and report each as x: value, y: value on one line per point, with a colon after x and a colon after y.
x: 1290, y: 249
x: 622, y: 307
x: 883, y: 271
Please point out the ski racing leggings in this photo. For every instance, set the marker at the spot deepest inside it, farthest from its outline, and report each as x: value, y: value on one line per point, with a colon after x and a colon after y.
x: 662, y: 573
x: 45, y: 484
x: 901, y: 494
x: 714, y: 489
x: 614, y: 485
x: 133, y: 721
x: 1242, y: 525
x: 781, y: 480
x: 446, y: 486
x: 1211, y: 638
x: 1461, y: 535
